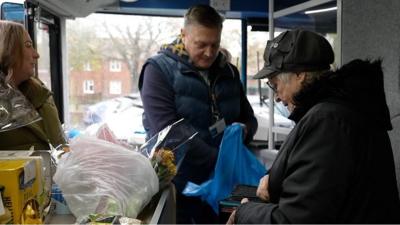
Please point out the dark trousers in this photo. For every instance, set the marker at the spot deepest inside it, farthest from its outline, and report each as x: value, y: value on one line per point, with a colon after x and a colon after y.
x: 192, y: 210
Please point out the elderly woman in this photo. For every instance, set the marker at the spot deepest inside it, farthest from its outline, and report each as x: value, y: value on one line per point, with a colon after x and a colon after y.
x: 18, y: 59
x: 336, y: 165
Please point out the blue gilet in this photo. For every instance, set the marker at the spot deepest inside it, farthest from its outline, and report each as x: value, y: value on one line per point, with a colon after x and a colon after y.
x: 193, y: 96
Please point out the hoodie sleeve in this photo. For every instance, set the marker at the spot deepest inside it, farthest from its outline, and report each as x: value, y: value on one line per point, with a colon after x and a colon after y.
x: 158, y: 99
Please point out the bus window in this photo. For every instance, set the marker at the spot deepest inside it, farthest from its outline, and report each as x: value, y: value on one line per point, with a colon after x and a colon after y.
x: 12, y: 11
x: 45, y: 30
x: 105, y: 55
x: 43, y: 48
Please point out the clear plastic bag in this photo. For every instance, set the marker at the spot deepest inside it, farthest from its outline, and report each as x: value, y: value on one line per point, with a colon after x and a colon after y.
x: 167, y: 149
x: 173, y: 137
x: 15, y: 109
x: 99, y: 177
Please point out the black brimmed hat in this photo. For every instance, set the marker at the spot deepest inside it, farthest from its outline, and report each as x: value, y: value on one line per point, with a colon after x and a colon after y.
x: 296, y: 51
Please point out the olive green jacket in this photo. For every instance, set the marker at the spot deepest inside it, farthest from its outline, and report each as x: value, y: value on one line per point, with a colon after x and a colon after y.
x: 38, y: 134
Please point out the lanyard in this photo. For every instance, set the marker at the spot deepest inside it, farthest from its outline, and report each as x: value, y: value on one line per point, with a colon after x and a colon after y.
x: 214, y: 106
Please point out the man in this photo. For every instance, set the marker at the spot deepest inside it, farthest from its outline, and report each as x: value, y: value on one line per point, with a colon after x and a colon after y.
x: 191, y: 79
x: 336, y: 165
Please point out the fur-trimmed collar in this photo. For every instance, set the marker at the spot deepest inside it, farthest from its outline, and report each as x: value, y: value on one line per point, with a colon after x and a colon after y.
x: 358, y: 84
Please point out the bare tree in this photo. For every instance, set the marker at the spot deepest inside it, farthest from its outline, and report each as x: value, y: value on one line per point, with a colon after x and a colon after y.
x: 231, y: 40
x: 82, y: 51
x: 255, y: 59
x: 82, y: 48
x: 134, y: 44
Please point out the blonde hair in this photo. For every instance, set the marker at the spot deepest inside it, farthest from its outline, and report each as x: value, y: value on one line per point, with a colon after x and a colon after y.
x: 11, y: 47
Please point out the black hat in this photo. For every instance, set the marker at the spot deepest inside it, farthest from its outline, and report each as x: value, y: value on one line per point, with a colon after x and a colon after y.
x: 296, y: 51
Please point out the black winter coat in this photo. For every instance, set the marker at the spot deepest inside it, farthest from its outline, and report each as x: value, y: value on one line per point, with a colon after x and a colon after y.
x: 336, y: 165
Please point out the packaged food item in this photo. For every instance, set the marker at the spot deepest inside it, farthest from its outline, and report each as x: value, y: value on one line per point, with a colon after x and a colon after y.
x: 58, y: 199
x: 5, y: 214
x: 22, y: 181
x: 31, y: 213
x: 93, y: 219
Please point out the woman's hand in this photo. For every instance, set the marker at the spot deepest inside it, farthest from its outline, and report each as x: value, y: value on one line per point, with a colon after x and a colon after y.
x: 262, y: 189
x: 231, y: 219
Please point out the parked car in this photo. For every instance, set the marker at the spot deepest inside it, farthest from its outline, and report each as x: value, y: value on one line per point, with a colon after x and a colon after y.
x: 123, y: 115
x: 261, y: 111
x: 102, y: 110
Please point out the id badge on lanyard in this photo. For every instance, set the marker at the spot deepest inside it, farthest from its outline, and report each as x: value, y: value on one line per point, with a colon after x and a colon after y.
x: 219, y: 126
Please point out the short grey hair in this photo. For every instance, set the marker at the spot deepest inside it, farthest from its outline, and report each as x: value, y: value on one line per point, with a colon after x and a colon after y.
x: 310, y: 77
x: 285, y: 76
x: 204, y: 15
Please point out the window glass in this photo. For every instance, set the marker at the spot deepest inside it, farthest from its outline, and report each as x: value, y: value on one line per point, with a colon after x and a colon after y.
x: 115, y: 66
x: 115, y: 87
x: 43, y: 48
x: 88, y: 87
x: 105, y: 55
x: 87, y: 67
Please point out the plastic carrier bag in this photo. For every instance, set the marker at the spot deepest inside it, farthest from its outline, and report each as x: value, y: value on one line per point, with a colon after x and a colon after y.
x: 235, y: 165
x: 15, y: 109
x: 99, y: 177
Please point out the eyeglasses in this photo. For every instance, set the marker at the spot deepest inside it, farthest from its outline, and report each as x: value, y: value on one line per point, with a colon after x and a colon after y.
x: 271, y: 85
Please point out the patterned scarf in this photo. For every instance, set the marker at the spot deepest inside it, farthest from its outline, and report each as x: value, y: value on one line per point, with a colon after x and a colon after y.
x: 177, y: 48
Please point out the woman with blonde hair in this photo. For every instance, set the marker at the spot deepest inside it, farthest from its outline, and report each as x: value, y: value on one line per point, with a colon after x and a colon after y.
x: 18, y: 60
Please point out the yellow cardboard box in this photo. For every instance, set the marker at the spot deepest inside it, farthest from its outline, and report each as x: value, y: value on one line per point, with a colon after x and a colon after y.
x: 22, y: 179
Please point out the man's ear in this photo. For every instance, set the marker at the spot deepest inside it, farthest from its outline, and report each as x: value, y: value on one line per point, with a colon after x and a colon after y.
x: 183, y: 33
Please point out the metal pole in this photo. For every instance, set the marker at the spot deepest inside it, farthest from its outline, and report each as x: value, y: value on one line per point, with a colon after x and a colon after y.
x: 259, y: 81
x: 244, y: 54
x: 338, y: 49
x: 271, y: 141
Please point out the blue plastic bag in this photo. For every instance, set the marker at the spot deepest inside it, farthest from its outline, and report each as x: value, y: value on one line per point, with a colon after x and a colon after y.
x: 235, y: 165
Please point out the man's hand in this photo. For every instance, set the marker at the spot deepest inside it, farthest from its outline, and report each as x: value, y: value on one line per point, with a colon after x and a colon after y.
x: 244, y: 129
x: 262, y: 189
x: 231, y: 219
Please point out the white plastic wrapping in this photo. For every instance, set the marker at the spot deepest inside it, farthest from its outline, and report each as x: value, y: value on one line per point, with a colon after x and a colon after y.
x: 15, y: 109
x: 104, y: 178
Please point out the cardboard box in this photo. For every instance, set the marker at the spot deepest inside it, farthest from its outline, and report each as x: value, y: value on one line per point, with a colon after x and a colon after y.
x: 22, y: 179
